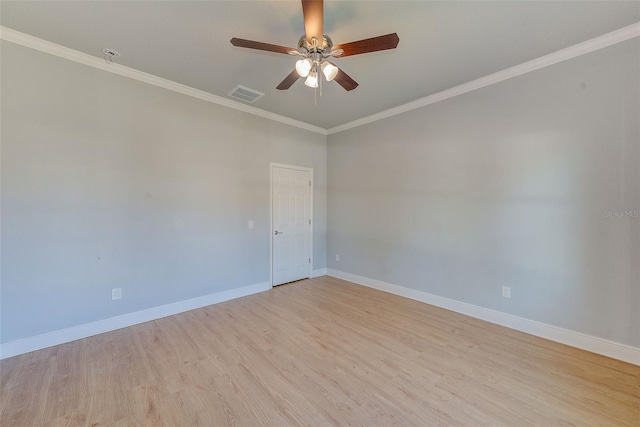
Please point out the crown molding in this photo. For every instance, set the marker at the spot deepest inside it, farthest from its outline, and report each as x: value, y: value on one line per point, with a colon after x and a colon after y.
x: 592, y: 45
x: 597, y: 43
x: 36, y: 43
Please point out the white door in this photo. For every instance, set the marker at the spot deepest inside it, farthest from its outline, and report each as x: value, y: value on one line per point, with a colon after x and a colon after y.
x: 291, y: 224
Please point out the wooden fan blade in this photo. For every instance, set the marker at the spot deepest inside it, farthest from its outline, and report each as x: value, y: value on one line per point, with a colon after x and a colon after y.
x: 374, y: 44
x: 288, y: 81
x: 344, y: 80
x: 313, y: 11
x: 260, y: 46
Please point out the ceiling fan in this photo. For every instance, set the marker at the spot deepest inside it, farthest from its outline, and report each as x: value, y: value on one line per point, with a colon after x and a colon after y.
x: 316, y: 48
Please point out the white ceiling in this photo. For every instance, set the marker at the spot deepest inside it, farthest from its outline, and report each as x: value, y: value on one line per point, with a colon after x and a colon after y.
x: 442, y: 44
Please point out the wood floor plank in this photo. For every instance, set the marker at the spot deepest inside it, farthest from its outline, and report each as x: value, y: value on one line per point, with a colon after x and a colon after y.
x: 317, y: 352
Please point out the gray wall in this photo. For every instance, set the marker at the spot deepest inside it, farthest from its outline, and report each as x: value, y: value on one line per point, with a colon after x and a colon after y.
x: 109, y: 182
x: 509, y: 185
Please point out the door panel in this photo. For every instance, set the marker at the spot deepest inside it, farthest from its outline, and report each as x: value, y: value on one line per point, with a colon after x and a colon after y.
x: 291, y: 224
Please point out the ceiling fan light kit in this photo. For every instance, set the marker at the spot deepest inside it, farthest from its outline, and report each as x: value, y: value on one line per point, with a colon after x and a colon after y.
x: 316, y: 48
x: 312, y: 80
x: 329, y: 70
x: 303, y: 67
x: 314, y: 60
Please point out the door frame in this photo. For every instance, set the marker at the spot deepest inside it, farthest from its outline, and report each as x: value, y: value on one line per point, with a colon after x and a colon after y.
x: 273, y: 165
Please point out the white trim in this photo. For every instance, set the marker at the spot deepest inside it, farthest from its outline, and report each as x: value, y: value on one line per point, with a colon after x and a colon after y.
x: 609, y: 39
x: 25, y: 345
x: 313, y: 224
x: 319, y: 272
x: 32, y: 42
x: 575, y: 339
x: 592, y: 45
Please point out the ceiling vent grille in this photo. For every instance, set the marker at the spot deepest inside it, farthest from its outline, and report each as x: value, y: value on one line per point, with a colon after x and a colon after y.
x: 245, y: 94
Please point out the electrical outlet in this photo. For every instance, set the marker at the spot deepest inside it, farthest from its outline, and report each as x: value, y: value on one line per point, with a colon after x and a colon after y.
x: 116, y: 293
x: 338, y: 258
x: 506, y: 291
x: 250, y: 223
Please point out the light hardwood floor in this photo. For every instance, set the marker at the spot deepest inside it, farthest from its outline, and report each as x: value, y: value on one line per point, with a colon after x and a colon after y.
x: 317, y: 352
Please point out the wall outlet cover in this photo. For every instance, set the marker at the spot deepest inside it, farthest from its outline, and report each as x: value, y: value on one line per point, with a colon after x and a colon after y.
x: 506, y: 292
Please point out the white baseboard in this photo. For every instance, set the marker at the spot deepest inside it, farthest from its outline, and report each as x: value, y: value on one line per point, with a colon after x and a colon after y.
x: 319, y: 272
x: 14, y: 348
x: 575, y: 339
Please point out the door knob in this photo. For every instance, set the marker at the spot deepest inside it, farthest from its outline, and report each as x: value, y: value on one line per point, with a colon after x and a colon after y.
x: 278, y: 232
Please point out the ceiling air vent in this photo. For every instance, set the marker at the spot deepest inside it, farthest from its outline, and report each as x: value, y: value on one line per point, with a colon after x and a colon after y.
x: 245, y: 94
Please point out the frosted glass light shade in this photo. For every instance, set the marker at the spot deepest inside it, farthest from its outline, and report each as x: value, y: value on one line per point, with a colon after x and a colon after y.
x: 312, y: 79
x: 303, y: 66
x: 329, y: 70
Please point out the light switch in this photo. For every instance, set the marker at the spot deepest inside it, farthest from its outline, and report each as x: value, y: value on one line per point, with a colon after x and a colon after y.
x: 250, y: 223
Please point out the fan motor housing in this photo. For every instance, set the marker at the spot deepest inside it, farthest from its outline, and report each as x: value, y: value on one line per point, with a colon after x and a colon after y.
x: 305, y: 47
